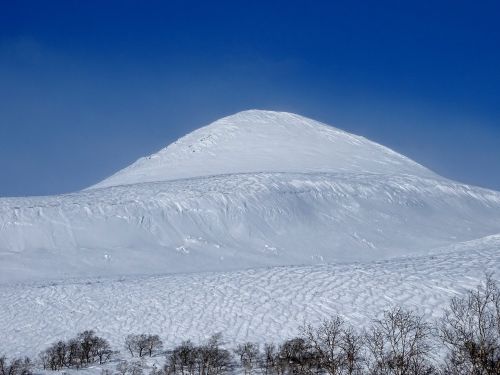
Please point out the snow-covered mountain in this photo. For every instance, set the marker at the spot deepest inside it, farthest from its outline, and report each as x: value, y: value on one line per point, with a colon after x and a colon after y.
x: 265, y: 141
x: 254, y: 189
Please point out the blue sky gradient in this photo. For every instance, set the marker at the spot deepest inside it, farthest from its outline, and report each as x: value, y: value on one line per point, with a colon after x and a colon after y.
x: 87, y: 87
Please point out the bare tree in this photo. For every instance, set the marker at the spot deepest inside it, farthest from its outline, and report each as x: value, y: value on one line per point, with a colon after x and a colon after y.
x: 182, y: 360
x: 131, y: 344
x: 399, y: 344
x: 470, y: 329
x: 336, y: 346
x: 85, y: 349
x: 325, y: 342
x: 248, y: 354
x: 269, y: 359
x: 142, y: 344
x: 102, y: 350
x: 16, y: 366
x: 207, y: 359
x: 212, y: 359
x: 136, y: 344
x: 352, y: 345
x: 87, y: 340
x: 153, y: 344
x: 54, y: 357
x: 297, y: 357
x: 73, y: 355
x: 45, y: 359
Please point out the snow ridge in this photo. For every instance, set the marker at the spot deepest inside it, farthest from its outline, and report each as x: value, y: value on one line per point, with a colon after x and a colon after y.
x: 265, y: 141
x: 256, y: 189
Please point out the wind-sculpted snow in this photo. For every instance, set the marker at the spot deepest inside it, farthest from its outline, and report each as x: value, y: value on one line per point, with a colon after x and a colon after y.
x: 255, y: 189
x: 188, y: 241
x: 265, y: 141
x: 237, y: 221
x: 261, y: 305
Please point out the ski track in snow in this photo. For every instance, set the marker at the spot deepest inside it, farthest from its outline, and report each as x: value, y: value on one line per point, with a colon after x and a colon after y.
x: 260, y: 305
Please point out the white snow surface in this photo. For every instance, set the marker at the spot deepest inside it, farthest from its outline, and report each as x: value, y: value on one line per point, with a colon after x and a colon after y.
x: 250, y: 226
x: 265, y: 141
x: 256, y: 189
x: 237, y: 221
x: 260, y: 305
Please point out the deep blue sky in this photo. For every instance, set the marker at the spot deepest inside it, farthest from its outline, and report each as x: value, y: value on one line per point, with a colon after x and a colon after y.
x: 87, y: 87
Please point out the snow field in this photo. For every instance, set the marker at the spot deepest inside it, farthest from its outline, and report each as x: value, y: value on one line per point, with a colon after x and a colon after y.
x: 261, y: 305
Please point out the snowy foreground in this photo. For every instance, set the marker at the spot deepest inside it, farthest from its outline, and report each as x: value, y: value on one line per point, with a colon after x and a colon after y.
x: 261, y: 305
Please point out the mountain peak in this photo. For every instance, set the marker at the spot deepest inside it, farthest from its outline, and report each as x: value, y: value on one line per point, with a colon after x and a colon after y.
x: 256, y: 117
x: 254, y: 141
x: 263, y: 116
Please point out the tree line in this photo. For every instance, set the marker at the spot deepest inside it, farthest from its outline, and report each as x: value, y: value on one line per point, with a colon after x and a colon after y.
x: 465, y: 341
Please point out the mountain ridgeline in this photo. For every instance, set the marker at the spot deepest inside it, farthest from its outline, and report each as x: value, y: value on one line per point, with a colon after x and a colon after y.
x: 254, y: 189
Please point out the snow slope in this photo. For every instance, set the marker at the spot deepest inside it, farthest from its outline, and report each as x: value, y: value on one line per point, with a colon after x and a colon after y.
x: 265, y: 141
x: 261, y: 305
x: 255, y: 189
x: 237, y: 221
